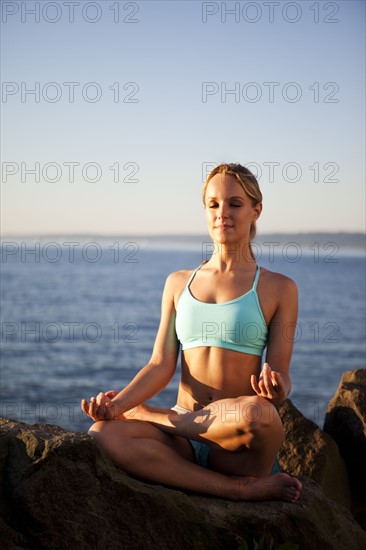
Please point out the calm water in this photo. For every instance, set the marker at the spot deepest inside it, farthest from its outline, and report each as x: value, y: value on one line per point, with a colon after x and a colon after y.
x: 77, y: 319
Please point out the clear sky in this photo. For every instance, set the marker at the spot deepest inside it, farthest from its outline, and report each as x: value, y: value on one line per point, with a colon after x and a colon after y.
x: 143, y: 88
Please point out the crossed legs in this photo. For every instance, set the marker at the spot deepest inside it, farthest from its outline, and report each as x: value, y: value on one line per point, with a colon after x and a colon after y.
x: 244, y: 434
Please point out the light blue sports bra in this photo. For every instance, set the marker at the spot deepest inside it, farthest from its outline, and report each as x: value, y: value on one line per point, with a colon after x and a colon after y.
x: 238, y: 324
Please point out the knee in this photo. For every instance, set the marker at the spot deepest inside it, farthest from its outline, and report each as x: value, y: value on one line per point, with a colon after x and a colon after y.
x: 102, y: 433
x: 256, y: 408
x: 259, y: 414
x: 97, y: 428
x: 110, y: 437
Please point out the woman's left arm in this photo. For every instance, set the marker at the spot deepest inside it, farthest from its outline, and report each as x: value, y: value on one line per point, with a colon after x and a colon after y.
x: 274, y: 382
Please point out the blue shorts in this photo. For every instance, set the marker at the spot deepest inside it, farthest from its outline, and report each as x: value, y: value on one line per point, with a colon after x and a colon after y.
x: 202, y: 451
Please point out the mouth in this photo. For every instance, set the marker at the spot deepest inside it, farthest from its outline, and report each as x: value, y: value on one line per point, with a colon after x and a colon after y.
x: 223, y: 226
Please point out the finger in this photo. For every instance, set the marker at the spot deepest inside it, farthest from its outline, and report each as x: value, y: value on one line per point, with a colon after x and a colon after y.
x: 87, y: 409
x: 279, y: 383
x: 266, y: 373
x: 111, y: 393
x: 261, y: 385
x: 100, y: 398
x: 108, y: 410
x: 254, y: 383
x: 93, y: 407
x: 84, y: 406
x: 274, y: 381
x: 102, y: 401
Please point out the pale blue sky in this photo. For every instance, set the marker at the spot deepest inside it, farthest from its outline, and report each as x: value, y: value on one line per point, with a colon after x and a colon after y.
x: 169, y: 134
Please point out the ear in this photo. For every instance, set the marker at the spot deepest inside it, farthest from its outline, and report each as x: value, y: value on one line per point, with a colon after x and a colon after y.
x: 257, y: 211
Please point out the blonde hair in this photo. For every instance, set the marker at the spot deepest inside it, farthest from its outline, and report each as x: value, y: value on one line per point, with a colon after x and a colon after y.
x: 248, y: 182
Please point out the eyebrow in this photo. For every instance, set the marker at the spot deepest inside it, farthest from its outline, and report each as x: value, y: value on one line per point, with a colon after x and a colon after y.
x: 230, y: 198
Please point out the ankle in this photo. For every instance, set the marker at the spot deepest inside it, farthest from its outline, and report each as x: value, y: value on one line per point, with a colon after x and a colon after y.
x: 229, y: 490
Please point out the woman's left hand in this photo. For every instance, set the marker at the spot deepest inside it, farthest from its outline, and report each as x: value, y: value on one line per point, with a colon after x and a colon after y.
x: 270, y: 385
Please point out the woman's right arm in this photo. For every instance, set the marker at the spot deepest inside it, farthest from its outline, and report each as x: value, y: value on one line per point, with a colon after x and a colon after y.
x: 152, y: 378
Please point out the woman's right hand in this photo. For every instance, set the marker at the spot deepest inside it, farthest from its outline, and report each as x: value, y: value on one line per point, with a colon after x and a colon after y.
x: 101, y: 407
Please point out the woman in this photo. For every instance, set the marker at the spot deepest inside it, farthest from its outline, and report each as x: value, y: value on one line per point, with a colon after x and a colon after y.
x: 223, y: 436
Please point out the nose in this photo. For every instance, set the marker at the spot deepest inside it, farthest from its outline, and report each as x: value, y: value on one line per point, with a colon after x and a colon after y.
x: 222, y: 211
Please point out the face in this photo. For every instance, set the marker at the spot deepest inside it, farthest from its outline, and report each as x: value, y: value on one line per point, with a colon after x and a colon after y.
x: 229, y: 210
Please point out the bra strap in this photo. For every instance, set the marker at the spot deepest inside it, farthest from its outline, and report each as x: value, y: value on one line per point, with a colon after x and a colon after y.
x: 193, y: 274
x: 255, y: 282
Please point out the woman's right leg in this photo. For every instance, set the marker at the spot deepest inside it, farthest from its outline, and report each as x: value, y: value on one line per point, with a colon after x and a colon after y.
x: 145, y: 451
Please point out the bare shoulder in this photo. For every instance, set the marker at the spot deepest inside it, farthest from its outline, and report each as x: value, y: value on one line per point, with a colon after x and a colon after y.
x: 278, y: 295
x: 278, y: 283
x: 179, y: 277
x: 176, y: 282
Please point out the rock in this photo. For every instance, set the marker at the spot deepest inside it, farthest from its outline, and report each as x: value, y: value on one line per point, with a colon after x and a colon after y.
x: 310, y: 452
x: 59, y: 491
x: 345, y: 421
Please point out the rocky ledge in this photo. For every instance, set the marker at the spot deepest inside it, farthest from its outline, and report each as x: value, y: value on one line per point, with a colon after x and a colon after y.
x: 59, y: 491
x: 345, y: 422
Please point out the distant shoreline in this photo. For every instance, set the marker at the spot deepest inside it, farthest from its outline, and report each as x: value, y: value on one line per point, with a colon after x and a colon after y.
x: 343, y: 240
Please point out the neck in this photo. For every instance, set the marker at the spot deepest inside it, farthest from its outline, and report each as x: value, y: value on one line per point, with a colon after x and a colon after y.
x: 229, y: 257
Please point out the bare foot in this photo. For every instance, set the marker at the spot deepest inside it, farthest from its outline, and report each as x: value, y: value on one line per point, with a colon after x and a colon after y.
x: 276, y: 487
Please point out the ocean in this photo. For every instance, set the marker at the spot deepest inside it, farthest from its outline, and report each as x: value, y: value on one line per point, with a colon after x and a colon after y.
x: 79, y: 316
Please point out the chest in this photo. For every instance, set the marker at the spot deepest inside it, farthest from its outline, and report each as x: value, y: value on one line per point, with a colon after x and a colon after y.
x: 217, y: 290
x: 222, y: 290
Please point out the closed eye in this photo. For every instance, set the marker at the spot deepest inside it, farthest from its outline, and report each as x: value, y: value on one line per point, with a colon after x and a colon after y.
x: 215, y: 205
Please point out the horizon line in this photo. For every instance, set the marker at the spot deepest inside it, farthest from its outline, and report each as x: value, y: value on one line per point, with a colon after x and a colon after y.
x: 185, y: 235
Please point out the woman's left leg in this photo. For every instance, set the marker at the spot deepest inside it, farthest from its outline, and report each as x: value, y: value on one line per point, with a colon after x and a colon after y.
x: 244, y: 433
